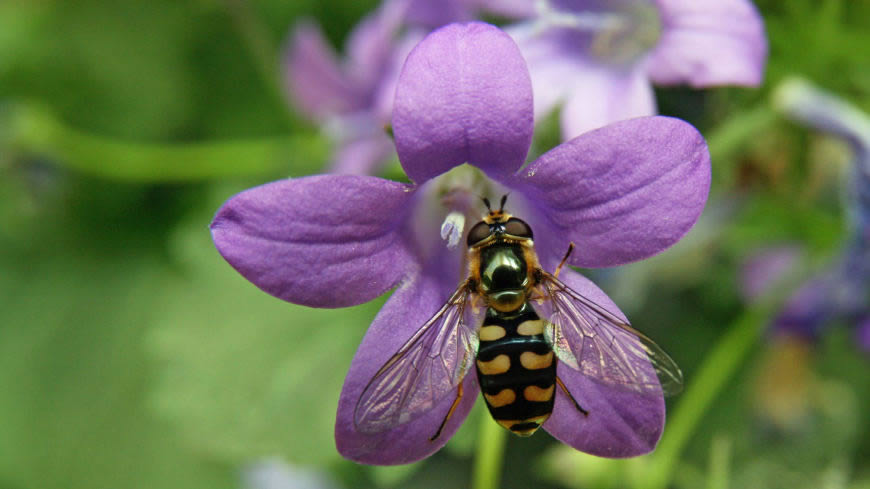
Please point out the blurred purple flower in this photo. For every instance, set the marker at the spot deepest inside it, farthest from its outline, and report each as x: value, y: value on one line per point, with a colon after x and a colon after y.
x: 842, y: 292
x: 863, y: 334
x: 276, y: 474
x: 766, y: 269
x: 435, y: 13
x: 600, y: 57
x: 838, y: 294
x: 621, y: 193
x: 351, y: 99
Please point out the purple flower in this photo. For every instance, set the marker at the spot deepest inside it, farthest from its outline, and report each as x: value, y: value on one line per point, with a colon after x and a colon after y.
x: 435, y: 13
x: 862, y: 335
x: 600, y: 57
x: 352, y: 100
x: 766, y: 269
x: 273, y: 473
x: 840, y: 293
x: 621, y: 193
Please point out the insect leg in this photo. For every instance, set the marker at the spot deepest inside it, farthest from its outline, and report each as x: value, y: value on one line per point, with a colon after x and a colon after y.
x: 564, y: 259
x: 449, y: 413
x: 565, y: 390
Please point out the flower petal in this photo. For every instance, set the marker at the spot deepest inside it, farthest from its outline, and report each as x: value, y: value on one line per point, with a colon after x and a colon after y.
x: 514, y: 9
x: 620, y: 193
x: 809, y: 105
x: 321, y: 241
x: 602, y: 95
x: 363, y: 156
x: 385, y: 93
x: 620, y: 423
x: 433, y: 14
x: 766, y: 269
x: 709, y: 42
x: 551, y: 67
x: 315, y: 81
x: 809, y: 310
x: 596, y: 93
x: 464, y: 95
x: 274, y: 473
x: 862, y: 335
x: 370, y: 45
x: 409, y: 308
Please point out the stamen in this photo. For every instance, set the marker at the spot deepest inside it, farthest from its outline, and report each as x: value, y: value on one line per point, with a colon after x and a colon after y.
x: 458, y: 193
x: 452, y: 228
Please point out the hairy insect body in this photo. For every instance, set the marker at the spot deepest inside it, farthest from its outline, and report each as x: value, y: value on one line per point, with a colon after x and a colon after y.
x: 503, y: 276
x: 516, y: 369
x: 515, y: 365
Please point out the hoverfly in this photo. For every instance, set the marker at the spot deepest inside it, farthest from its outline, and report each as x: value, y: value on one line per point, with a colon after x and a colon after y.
x: 511, y: 346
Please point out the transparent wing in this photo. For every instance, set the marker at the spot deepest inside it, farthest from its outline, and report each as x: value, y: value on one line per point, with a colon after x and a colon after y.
x: 424, y: 370
x: 588, y: 338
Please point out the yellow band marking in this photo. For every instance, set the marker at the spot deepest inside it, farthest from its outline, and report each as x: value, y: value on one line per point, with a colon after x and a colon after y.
x: 531, y: 328
x: 538, y: 419
x: 509, y: 423
x: 503, y: 398
x: 491, y: 333
x: 536, y: 394
x: 497, y: 365
x: 533, y: 361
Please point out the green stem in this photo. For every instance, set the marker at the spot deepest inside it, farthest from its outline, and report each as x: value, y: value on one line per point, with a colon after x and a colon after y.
x: 719, y: 367
x: 37, y: 130
x: 720, y: 462
x: 490, y: 453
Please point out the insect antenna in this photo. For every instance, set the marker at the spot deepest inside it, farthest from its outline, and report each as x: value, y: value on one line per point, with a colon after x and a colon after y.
x: 486, y: 202
x: 503, y: 200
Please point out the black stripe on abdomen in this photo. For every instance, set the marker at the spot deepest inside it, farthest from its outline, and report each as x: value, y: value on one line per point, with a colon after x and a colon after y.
x: 516, y: 369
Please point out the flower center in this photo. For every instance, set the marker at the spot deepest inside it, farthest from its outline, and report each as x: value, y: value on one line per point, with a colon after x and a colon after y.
x: 459, y: 192
x: 618, y: 32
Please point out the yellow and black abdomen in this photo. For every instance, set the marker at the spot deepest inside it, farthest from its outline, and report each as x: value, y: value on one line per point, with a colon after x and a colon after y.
x: 516, y: 369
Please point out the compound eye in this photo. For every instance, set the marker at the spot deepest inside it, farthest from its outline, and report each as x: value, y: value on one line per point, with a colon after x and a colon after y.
x: 518, y: 228
x: 478, y: 233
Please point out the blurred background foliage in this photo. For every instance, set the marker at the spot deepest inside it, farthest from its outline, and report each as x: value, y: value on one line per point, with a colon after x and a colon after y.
x: 131, y: 355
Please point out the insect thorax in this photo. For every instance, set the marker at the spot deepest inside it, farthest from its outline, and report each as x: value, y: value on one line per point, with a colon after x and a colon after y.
x: 504, y: 275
